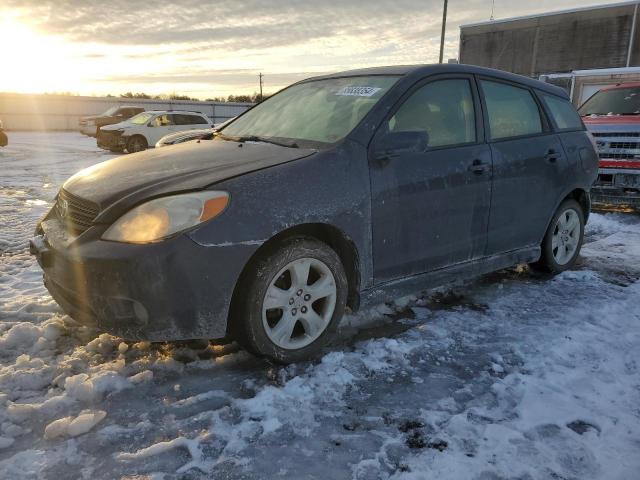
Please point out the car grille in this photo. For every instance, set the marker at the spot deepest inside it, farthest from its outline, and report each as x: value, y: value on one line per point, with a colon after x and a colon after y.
x: 618, y: 156
x: 618, y: 145
x: 616, y: 134
x: 77, y: 214
x: 624, y: 145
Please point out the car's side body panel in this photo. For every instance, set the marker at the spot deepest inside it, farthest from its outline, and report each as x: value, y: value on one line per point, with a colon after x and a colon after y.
x: 408, y: 190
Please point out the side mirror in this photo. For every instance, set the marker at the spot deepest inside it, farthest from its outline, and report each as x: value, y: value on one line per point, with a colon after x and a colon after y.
x: 392, y: 144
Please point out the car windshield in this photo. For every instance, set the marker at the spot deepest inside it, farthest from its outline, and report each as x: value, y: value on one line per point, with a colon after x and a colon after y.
x: 109, y: 112
x: 141, y: 118
x: 617, y: 101
x: 317, y: 112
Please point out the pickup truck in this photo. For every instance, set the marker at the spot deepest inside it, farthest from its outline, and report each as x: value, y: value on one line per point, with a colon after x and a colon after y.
x: 612, y: 115
x: 91, y: 125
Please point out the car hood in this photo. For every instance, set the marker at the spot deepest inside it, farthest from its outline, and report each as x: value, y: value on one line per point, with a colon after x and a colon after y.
x: 115, y: 126
x: 125, y: 181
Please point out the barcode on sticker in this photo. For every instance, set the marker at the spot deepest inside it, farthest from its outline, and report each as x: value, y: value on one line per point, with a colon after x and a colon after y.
x: 358, y: 91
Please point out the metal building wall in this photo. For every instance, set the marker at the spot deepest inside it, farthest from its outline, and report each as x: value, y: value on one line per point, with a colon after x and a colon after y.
x: 597, y: 37
x: 60, y: 112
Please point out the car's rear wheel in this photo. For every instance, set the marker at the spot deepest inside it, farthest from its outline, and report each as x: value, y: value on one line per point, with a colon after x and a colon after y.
x: 290, y: 304
x: 563, y: 240
x: 137, y: 143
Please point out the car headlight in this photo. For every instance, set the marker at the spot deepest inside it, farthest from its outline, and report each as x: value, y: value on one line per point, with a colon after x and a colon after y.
x: 165, y: 216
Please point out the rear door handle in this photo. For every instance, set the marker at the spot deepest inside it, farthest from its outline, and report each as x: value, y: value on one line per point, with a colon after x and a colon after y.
x: 552, y: 156
x: 478, y: 167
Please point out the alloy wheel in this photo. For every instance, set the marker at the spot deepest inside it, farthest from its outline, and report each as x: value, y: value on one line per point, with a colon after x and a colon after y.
x: 299, y: 303
x: 566, y: 236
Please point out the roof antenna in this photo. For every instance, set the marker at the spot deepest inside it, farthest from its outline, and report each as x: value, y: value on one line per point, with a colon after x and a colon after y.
x: 493, y: 6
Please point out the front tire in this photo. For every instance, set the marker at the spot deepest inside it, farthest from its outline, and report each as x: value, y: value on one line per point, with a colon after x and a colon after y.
x: 295, y: 298
x: 563, y: 240
x: 137, y: 143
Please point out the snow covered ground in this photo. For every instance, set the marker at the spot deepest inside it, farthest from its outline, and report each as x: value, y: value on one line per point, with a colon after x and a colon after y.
x: 512, y: 376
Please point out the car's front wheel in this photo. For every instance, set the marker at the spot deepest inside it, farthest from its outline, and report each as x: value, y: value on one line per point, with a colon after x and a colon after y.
x: 563, y: 240
x: 290, y: 304
x: 137, y: 143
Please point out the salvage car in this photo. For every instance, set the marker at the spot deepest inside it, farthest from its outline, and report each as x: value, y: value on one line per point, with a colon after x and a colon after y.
x: 91, y: 125
x: 4, y: 140
x: 339, y: 192
x: 145, y: 129
x: 612, y: 115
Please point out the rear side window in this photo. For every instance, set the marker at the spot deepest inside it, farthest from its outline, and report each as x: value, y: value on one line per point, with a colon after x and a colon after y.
x: 182, y: 119
x: 444, y: 109
x: 563, y: 113
x: 512, y: 111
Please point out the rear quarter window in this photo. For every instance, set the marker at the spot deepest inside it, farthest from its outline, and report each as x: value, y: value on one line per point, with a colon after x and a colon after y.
x: 562, y: 112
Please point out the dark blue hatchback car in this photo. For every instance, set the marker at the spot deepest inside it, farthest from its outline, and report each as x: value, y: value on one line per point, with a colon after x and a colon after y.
x: 339, y: 191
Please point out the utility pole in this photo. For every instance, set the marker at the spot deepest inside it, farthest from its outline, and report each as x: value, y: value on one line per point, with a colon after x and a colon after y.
x: 444, y: 27
x: 260, y: 76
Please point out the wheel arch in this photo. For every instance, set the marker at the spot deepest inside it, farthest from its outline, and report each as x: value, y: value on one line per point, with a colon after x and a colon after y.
x: 326, y: 233
x: 582, y: 197
x: 137, y: 134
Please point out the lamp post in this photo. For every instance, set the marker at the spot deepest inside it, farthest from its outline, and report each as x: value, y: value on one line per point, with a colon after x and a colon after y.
x: 444, y: 27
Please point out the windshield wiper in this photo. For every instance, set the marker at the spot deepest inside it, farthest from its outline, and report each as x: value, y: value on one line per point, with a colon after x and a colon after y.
x: 255, y: 138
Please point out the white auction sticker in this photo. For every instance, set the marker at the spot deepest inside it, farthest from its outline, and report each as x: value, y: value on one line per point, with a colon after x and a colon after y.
x: 358, y: 91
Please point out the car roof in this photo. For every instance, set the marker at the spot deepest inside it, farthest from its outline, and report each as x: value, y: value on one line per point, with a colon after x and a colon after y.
x: 419, y: 71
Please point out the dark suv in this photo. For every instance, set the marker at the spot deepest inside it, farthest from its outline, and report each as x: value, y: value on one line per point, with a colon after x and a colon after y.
x: 340, y: 191
x: 91, y: 125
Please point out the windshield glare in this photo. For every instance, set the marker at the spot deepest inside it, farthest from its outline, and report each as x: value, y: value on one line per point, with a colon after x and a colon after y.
x: 619, y: 101
x: 319, y: 111
x: 141, y: 118
x: 109, y: 112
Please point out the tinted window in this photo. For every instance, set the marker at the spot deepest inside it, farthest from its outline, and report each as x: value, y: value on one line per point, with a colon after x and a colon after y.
x: 444, y: 109
x: 182, y: 119
x: 563, y: 113
x: 512, y: 110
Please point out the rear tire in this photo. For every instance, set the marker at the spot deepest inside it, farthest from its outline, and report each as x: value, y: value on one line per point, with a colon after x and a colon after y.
x: 562, y: 242
x: 137, y: 143
x: 289, y: 305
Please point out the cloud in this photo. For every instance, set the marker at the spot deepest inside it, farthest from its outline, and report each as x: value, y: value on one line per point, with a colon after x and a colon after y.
x: 182, y: 43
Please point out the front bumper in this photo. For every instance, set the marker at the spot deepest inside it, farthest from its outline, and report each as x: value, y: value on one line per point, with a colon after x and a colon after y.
x: 88, y: 129
x: 111, y: 141
x: 171, y: 290
x: 617, y: 187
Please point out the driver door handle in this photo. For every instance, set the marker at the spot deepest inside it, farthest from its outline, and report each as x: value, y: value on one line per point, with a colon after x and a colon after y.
x: 552, y: 156
x: 478, y: 167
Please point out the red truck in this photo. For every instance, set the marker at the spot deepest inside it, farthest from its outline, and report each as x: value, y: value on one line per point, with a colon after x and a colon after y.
x: 612, y: 115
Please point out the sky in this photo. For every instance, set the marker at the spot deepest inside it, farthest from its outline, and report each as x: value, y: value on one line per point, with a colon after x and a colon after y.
x: 207, y: 49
